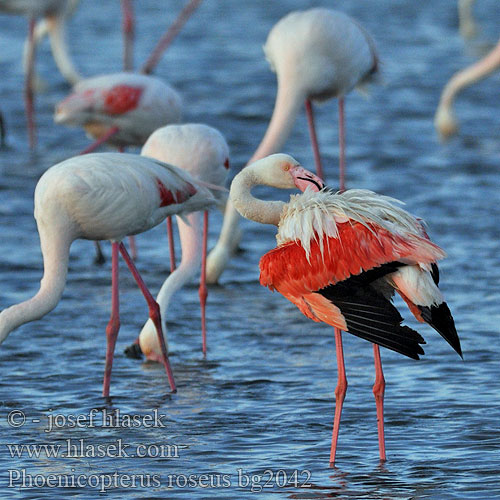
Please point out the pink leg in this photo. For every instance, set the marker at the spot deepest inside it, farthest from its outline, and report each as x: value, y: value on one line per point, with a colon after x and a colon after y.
x: 171, y: 246
x: 111, y: 132
x: 340, y: 392
x: 128, y: 35
x: 314, y: 138
x: 133, y: 247
x: 114, y: 322
x: 378, y: 391
x: 202, y: 291
x: 170, y: 34
x: 154, y: 312
x: 341, y: 145
x: 28, y: 85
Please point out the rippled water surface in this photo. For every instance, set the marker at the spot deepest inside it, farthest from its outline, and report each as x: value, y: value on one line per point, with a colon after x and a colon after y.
x: 263, y: 400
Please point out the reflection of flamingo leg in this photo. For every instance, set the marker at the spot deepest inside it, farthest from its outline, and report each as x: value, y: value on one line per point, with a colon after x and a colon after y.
x: 128, y: 35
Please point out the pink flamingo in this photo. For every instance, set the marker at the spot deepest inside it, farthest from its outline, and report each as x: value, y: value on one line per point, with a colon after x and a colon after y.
x: 444, y: 120
x: 203, y: 152
x: 339, y: 259
x: 317, y: 54
x: 55, y: 13
x: 97, y: 197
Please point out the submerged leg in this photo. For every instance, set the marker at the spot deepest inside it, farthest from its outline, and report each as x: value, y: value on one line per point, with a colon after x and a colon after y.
x: 154, y: 313
x: 340, y: 392
x: 202, y: 291
x: 341, y: 145
x: 99, y: 256
x: 378, y: 391
x: 171, y: 246
x: 114, y: 322
x: 314, y: 138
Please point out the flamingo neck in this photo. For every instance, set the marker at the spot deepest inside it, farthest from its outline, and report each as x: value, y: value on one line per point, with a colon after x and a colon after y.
x: 190, y: 238
x: 289, y: 99
x: 55, y: 250
x: 265, y: 212
x: 472, y: 74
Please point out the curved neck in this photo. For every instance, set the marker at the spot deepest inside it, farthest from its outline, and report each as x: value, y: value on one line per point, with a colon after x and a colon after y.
x: 472, y: 74
x: 265, y: 212
x: 190, y: 238
x: 55, y: 250
x: 289, y: 100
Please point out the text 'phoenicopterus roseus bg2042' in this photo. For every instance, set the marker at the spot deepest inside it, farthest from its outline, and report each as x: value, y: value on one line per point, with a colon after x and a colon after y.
x: 317, y: 54
x: 103, y: 196
x: 339, y: 259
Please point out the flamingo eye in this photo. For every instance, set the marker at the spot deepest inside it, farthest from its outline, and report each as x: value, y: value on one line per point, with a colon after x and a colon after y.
x: 286, y: 168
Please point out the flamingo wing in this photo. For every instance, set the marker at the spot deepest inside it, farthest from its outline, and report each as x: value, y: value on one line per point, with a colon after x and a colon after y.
x: 336, y: 282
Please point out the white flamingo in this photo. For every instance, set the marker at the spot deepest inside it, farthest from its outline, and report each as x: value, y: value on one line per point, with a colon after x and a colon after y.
x: 444, y: 120
x: 203, y: 152
x: 317, y: 54
x: 103, y: 196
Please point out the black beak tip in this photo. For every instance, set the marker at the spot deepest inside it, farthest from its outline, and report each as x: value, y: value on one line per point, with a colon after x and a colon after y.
x: 133, y: 351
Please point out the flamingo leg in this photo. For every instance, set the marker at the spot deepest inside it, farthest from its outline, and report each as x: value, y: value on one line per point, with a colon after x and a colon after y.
x: 341, y: 145
x: 202, y: 291
x: 171, y: 246
x: 154, y: 313
x: 110, y: 133
x: 378, y: 391
x: 314, y: 138
x: 133, y: 247
x: 99, y: 256
x: 114, y: 322
x: 29, y: 84
x: 340, y: 392
x: 169, y: 35
x: 128, y: 34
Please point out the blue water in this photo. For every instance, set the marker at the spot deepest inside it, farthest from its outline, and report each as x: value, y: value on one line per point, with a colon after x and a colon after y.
x: 259, y: 410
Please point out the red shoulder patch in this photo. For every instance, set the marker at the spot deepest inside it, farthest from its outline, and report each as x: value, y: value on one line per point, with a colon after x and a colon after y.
x: 180, y: 196
x: 121, y: 99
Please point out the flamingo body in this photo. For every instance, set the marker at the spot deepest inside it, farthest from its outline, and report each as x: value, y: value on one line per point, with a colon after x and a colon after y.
x: 323, y: 52
x: 136, y: 104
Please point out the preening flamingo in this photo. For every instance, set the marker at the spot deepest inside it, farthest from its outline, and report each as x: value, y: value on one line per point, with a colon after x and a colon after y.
x: 339, y: 259
x: 444, y: 120
x: 55, y: 13
x: 317, y: 54
x: 122, y: 108
x: 203, y: 152
x: 97, y: 197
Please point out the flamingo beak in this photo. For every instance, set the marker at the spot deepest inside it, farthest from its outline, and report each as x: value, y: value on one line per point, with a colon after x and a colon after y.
x: 303, y: 179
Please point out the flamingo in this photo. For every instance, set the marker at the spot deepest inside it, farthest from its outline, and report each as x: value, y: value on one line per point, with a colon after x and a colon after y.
x: 95, y: 197
x: 130, y: 105
x: 317, y: 54
x: 339, y: 259
x: 203, y: 152
x: 55, y: 13
x: 444, y: 119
